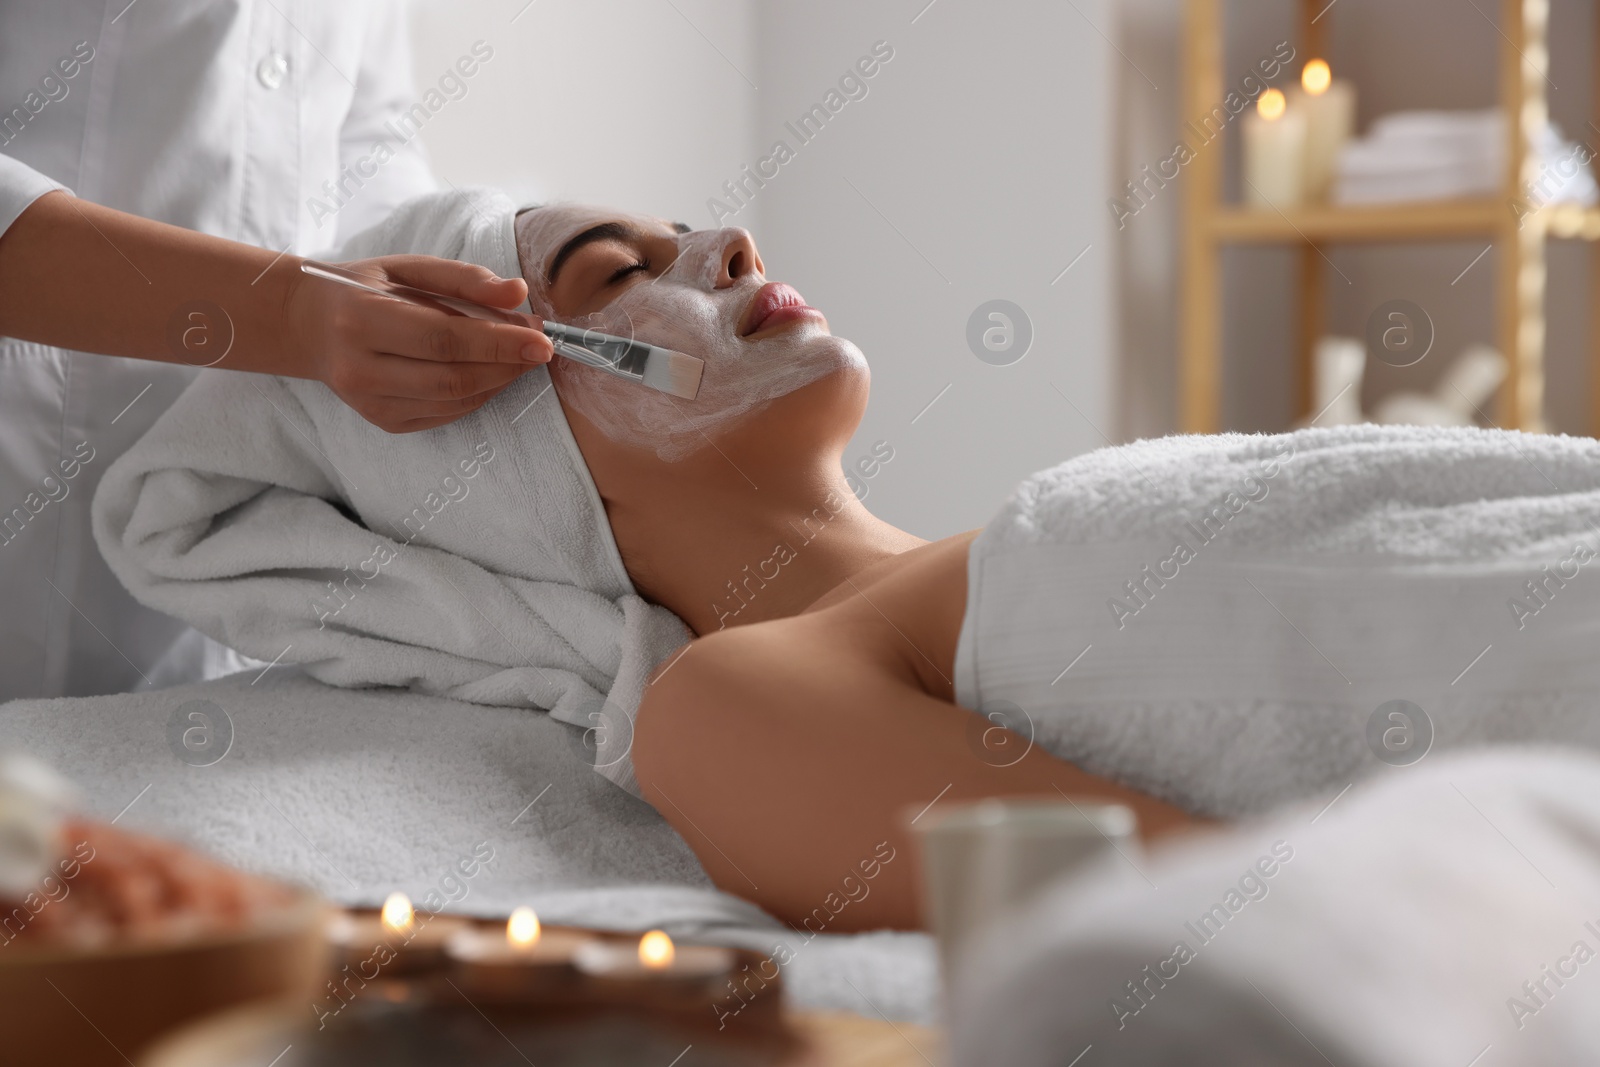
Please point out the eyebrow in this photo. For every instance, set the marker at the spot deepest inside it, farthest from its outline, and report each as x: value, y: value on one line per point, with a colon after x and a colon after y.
x: 606, y: 231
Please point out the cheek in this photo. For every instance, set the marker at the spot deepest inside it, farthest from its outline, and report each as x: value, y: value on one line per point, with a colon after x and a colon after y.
x: 674, y: 317
x: 619, y: 409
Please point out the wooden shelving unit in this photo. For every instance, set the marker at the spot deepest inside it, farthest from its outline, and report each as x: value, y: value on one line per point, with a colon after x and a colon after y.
x: 1210, y: 224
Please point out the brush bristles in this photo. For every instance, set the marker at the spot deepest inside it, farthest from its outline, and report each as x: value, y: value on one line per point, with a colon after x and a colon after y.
x: 673, y: 372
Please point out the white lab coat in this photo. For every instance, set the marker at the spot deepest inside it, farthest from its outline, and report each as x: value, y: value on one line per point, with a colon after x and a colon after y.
x: 224, y: 116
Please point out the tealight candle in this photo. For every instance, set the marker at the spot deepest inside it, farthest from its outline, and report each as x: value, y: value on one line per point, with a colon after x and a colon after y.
x: 396, y: 940
x: 526, y: 960
x: 653, y: 959
x: 1274, y: 151
x: 1329, y: 107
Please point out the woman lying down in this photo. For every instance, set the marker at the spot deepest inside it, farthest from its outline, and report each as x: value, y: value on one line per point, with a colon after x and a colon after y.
x: 1198, y: 627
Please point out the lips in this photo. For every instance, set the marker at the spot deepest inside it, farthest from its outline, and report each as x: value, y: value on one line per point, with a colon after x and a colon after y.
x: 773, y: 303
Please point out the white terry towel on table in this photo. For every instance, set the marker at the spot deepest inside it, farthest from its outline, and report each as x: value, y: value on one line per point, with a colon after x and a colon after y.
x: 471, y: 561
x: 1224, y: 622
x: 1447, y: 914
x: 360, y: 792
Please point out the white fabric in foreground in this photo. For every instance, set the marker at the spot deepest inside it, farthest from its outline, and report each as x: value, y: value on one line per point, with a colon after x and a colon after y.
x: 360, y: 792
x: 1448, y: 914
x: 1217, y: 620
x: 472, y: 561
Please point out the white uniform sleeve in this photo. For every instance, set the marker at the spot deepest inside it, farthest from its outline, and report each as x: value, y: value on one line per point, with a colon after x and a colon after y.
x: 20, y: 185
x: 385, y: 91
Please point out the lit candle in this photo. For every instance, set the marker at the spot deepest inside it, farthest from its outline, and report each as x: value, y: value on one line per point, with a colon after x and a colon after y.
x: 526, y: 961
x: 1274, y: 151
x: 395, y: 940
x: 654, y: 958
x: 397, y: 914
x: 522, y: 929
x: 656, y: 950
x: 1329, y: 106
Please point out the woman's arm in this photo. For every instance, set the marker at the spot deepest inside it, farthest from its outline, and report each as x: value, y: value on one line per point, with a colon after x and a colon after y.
x: 85, y: 277
x: 789, y: 753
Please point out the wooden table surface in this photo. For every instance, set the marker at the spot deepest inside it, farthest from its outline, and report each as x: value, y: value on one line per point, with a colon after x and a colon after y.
x: 253, y: 1035
x: 843, y: 1040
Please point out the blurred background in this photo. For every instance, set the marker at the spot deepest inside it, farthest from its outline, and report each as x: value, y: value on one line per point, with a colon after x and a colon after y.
x: 981, y: 164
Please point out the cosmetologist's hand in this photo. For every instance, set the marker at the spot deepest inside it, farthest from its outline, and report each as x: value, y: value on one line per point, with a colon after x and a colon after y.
x: 402, y: 367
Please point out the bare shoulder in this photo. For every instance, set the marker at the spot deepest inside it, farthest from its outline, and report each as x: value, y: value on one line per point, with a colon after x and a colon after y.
x: 915, y: 606
x: 744, y: 661
x: 888, y: 631
x: 741, y: 690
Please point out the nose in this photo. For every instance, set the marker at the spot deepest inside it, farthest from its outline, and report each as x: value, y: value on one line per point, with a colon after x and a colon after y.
x: 739, y: 257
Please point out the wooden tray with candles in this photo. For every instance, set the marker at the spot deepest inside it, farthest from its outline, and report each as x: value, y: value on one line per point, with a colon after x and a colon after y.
x: 520, y: 967
x: 409, y: 989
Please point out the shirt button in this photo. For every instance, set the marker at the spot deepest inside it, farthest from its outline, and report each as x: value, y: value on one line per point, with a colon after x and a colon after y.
x: 272, y: 69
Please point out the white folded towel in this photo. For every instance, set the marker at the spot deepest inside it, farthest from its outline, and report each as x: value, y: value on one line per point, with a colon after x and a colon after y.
x: 1225, y: 622
x: 1449, y: 914
x: 472, y: 561
x: 1436, y: 155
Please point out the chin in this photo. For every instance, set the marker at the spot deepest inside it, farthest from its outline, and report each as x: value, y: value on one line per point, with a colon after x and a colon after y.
x: 829, y: 408
x: 814, y: 344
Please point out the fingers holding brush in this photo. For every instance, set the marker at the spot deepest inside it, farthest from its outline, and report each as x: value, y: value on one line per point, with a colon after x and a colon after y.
x: 403, y: 366
x: 426, y: 335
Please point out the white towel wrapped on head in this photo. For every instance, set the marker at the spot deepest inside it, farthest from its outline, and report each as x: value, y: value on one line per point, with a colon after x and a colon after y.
x: 472, y: 561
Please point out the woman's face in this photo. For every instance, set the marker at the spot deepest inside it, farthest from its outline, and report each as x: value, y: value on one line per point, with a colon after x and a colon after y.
x: 699, y: 292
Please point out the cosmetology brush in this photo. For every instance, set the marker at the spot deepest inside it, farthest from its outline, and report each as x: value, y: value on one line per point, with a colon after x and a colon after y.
x: 657, y: 368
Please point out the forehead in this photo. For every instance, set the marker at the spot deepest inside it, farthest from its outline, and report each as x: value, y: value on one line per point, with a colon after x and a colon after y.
x: 543, y: 230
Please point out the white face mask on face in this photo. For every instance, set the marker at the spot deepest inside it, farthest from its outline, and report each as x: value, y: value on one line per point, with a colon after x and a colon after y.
x: 684, y: 310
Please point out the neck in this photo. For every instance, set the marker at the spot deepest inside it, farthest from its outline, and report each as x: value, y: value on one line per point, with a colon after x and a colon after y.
x: 744, y: 548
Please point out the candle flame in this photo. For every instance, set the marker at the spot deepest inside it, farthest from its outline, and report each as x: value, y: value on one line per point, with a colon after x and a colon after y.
x: 1316, y: 77
x: 1271, y: 105
x: 397, y: 913
x: 522, y: 929
x: 655, y: 950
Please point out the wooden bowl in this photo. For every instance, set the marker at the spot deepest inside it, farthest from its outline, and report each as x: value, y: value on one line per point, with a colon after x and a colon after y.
x: 89, y: 1008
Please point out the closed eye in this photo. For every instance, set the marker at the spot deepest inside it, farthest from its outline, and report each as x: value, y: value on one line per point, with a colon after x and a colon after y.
x: 629, y: 269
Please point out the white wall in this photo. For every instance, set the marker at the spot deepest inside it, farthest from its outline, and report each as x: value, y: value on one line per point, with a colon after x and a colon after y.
x: 975, y: 169
x: 622, y: 102
x: 979, y: 159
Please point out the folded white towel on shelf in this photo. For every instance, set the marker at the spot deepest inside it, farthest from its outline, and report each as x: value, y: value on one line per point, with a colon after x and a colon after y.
x: 1437, y: 155
x: 1228, y: 622
x: 1450, y: 912
x: 472, y: 561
